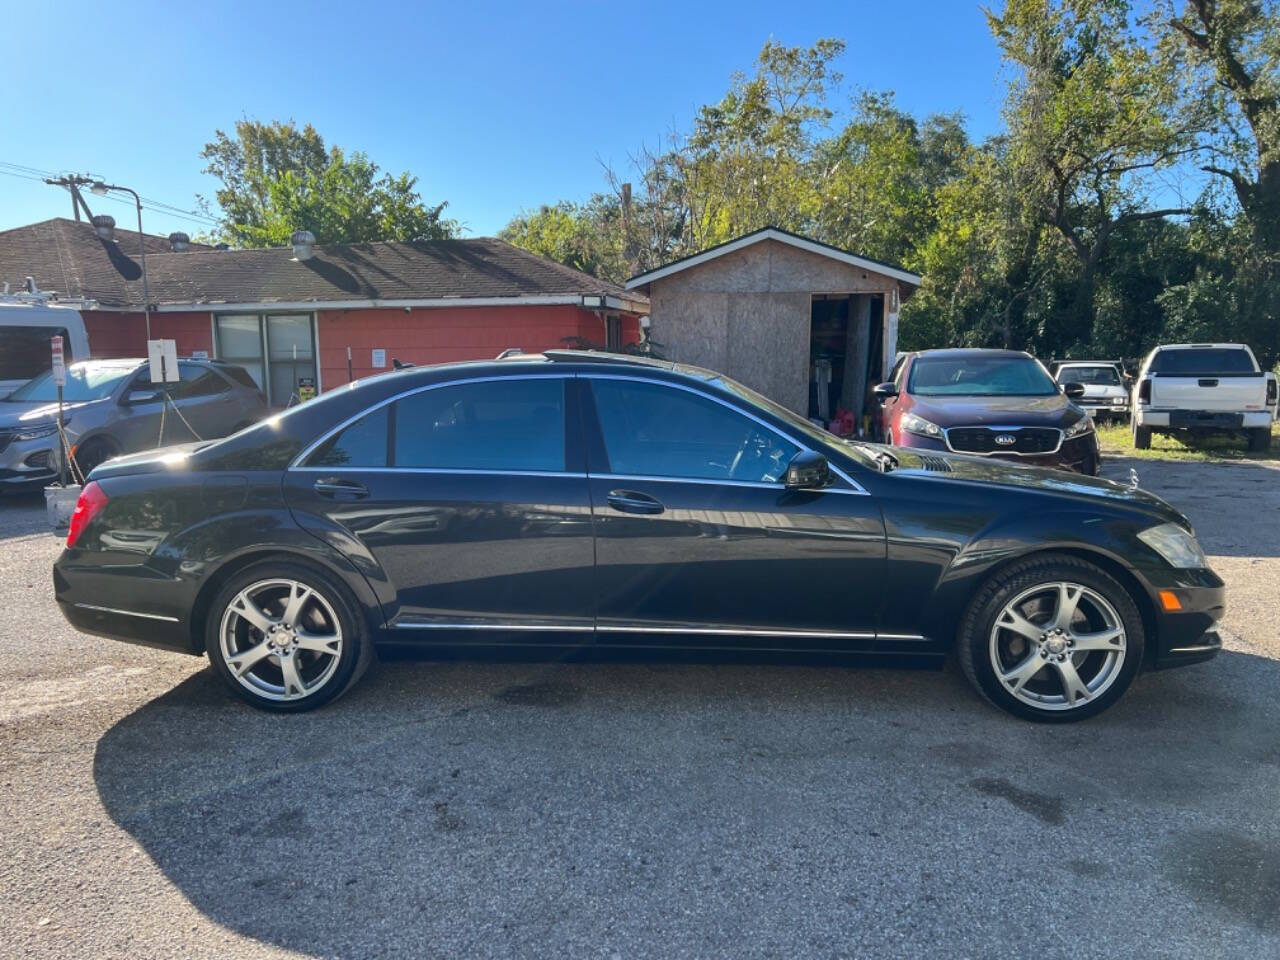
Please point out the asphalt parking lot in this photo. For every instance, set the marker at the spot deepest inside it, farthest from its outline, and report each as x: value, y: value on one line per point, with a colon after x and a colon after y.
x: 594, y: 810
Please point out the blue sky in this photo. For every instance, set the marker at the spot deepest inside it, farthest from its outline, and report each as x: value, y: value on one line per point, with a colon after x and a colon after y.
x: 496, y: 107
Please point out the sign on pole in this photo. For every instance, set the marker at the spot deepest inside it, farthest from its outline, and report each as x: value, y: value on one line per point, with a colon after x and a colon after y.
x: 163, y: 357
x: 59, y: 366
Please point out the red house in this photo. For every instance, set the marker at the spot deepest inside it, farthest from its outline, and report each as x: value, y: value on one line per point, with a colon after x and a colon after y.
x: 290, y: 315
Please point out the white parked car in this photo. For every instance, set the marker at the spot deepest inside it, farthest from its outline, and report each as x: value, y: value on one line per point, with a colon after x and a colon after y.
x: 1106, y: 395
x: 1204, y: 388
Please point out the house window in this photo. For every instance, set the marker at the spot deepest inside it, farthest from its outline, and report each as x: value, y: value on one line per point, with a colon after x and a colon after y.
x: 277, y: 350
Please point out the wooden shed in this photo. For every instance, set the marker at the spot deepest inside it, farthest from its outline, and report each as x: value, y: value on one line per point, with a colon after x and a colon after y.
x: 809, y: 325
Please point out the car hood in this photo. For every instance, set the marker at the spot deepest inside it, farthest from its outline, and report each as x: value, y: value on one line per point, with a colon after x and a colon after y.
x: 25, y: 414
x: 1054, y: 411
x: 1003, y: 473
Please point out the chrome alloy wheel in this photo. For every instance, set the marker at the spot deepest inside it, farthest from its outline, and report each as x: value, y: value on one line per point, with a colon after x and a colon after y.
x: 280, y: 639
x: 1057, y: 646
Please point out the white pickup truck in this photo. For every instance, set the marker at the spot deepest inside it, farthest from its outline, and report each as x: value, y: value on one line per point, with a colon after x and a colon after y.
x: 1203, y: 388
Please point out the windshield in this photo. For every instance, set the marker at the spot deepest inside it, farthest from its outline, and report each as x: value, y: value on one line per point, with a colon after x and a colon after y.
x: 85, y: 381
x: 820, y: 437
x: 979, y: 376
x: 1104, y: 376
x: 1203, y: 361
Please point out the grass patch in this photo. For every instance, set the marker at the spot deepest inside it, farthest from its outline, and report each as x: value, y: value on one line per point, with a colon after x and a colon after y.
x: 1117, y: 440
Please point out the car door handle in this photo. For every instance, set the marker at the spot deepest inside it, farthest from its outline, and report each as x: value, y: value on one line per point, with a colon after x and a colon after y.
x: 628, y: 501
x: 336, y: 489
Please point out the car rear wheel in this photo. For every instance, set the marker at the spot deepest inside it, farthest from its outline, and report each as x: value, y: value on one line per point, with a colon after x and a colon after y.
x: 1141, y: 436
x: 1053, y: 639
x: 286, y: 637
x: 1260, y: 439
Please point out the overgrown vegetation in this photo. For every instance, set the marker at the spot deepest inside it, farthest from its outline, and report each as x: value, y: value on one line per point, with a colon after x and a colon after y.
x: 1133, y: 195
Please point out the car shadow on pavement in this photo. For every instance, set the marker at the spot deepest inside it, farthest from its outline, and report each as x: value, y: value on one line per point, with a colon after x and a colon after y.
x: 460, y: 809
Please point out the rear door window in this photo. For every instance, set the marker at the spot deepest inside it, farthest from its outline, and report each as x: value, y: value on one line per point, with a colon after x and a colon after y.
x: 508, y: 425
x: 197, y: 381
x: 362, y: 444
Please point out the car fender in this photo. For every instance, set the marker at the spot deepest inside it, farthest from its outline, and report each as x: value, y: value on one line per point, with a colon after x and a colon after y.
x: 216, y: 549
x: 1109, y: 538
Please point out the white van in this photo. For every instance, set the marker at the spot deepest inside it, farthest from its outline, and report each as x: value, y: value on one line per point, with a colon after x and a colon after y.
x: 25, y: 328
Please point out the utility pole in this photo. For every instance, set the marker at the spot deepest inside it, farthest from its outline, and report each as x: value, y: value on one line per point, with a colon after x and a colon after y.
x: 73, y: 185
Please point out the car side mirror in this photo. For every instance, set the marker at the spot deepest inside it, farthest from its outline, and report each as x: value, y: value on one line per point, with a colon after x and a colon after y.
x: 885, y: 391
x: 1073, y: 390
x: 807, y: 471
x: 135, y: 397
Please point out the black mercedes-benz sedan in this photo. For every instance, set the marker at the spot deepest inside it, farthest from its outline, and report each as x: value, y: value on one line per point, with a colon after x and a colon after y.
x: 575, y: 502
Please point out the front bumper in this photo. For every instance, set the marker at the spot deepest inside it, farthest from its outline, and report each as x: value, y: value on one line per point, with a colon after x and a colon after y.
x: 1190, y: 634
x: 28, y: 463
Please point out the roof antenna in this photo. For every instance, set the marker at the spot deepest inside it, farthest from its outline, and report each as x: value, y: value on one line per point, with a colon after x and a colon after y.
x: 400, y: 364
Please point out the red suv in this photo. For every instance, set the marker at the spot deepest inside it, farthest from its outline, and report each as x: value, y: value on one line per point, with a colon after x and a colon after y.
x: 990, y: 403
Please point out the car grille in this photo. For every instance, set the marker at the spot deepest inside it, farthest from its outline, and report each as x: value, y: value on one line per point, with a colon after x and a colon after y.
x: 5, y: 437
x: 1026, y: 440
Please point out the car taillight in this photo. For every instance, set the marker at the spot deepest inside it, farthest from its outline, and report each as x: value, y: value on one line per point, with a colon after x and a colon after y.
x: 1271, y: 392
x: 1144, y: 391
x: 90, y: 504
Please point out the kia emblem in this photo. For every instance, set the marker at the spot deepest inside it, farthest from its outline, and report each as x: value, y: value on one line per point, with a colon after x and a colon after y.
x: 1005, y: 439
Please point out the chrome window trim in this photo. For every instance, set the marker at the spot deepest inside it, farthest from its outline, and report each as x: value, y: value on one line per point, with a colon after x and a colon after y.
x: 447, y: 471
x: 857, y: 488
x: 298, y: 462
x: 127, y: 613
x: 311, y: 448
x: 1007, y: 453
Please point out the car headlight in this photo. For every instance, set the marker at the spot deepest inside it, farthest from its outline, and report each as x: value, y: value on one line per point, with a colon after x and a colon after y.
x: 920, y: 426
x: 1176, y: 545
x: 35, y: 433
x: 1078, y: 429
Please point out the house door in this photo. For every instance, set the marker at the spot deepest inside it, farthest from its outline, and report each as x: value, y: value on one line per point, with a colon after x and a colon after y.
x: 277, y: 350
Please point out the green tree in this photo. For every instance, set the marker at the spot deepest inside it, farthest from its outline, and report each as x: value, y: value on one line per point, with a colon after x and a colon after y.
x: 276, y: 178
x: 1092, y: 118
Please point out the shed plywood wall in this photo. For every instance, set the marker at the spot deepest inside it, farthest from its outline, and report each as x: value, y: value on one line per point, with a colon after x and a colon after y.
x: 747, y: 314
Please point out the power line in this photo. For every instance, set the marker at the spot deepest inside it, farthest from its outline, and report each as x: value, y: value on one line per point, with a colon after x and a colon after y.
x: 24, y: 172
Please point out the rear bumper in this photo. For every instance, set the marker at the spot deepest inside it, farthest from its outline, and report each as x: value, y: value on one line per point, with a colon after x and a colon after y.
x: 87, y: 601
x: 1203, y: 419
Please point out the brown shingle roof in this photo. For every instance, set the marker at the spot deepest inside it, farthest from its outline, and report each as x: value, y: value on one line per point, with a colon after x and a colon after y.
x: 68, y: 257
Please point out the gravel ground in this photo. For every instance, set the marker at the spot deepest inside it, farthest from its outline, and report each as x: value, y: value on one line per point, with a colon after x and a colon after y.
x: 459, y: 810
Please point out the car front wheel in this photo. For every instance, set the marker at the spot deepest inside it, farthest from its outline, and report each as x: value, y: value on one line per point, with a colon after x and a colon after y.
x: 1053, y: 639
x: 286, y: 637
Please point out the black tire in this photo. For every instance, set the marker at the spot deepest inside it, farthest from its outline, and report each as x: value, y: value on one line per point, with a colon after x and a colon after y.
x: 93, y: 453
x: 333, y: 602
x: 974, y: 642
x: 1259, y: 439
x: 1141, y: 436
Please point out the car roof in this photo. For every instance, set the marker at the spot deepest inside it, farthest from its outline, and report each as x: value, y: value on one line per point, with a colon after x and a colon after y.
x: 967, y: 353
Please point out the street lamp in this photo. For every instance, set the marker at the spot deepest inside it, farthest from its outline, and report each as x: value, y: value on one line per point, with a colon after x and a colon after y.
x: 101, y: 189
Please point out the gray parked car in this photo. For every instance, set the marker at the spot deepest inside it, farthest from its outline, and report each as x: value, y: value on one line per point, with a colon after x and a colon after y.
x: 112, y: 407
